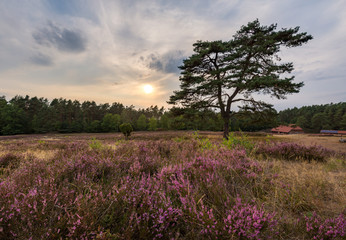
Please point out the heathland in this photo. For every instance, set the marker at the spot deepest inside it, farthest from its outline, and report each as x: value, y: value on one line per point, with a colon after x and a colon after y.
x: 172, y: 185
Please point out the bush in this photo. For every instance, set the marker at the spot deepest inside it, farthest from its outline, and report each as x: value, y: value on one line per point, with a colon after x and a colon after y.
x: 126, y: 129
x: 293, y: 151
x: 10, y: 159
x: 95, y: 144
x: 250, y: 222
x: 241, y: 141
x: 331, y: 228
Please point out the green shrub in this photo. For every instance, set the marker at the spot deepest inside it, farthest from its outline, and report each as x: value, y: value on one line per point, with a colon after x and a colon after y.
x: 241, y: 141
x: 95, y: 144
x: 126, y: 129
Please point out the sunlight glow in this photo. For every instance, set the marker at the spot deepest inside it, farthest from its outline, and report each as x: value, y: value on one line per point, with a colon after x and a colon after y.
x: 148, y: 88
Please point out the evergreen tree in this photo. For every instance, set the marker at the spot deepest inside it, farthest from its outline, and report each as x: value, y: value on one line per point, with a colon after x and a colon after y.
x: 152, y: 124
x: 110, y: 122
x: 165, y: 122
x: 142, y: 123
x: 220, y: 74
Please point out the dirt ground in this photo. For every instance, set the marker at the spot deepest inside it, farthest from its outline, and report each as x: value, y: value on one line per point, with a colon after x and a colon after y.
x: 330, y: 142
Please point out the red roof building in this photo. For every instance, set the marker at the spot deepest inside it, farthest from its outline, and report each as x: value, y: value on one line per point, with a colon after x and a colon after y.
x: 291, y: 129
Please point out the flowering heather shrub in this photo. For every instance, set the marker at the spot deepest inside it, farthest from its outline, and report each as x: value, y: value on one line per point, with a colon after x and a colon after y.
x: 10, y: 160
x: 151, y: 213
x: 331, y: 228
x: 245, y: 220
x: 137, y: 190
x: 293, y: 151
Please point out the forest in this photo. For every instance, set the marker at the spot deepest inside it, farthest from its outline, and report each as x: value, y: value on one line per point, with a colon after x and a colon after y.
x: 316, y: 117
x: 27, y: 115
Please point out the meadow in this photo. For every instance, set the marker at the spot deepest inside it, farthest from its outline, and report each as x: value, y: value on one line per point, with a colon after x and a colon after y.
x: 171, y: 185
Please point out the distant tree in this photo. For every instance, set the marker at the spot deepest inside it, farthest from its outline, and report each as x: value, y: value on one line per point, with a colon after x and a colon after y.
x: 94, y: 126
x: 303, y: 122
x: 22, y: 104
x: 249, y: 121
x: 178, y: 123
x: 142, y: 123
x: 332, y: 115
x: 76, y: 126
x: 116, y: 108
x: 13, y: 120
x: 343, y: 123
x: 165, y: 122
x: 152, y: 124
x: 129, y: 115
x: 338, y: 117
x: 91, y: 111
x: 220, y: 74
x: 110, y: 122
x: 126, y: 129
x: 36, y: 125
x: 3, y: 104
x: 317, y: 121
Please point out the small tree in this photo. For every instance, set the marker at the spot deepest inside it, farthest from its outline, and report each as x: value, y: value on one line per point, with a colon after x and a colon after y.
x: 95, y: 126
x: 142, y: 122
x: 318, y: 120
x: 110, y: 122
x: 220, y: 74
x: 164, y: 122
x: 126, y: 129
x: 302, y: 122
x: 152, y: 124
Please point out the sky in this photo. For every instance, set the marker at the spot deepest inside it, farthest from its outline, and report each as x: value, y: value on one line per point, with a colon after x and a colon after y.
x: 107, y: 51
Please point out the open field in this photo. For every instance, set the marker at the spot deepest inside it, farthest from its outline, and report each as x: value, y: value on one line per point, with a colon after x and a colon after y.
x: 172, y: 185
x: 330, y: 142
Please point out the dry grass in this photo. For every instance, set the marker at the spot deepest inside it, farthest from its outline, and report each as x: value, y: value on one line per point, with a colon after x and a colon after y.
x: 312, y: 187
x: 42, y: 154
x: 330, y: 142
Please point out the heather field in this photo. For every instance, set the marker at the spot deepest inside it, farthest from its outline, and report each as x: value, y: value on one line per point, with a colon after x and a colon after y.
x: 170, y: 185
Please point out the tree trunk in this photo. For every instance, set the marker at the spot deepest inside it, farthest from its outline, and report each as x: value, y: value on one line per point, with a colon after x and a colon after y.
x: 225, y: 127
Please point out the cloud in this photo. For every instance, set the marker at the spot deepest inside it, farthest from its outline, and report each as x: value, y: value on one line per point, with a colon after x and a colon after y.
x: 167, y: 63
x: 39, y: 49
x: 63, y: 39
x: 41, y: 59
x: 76, y: 8
x: 155, y: 63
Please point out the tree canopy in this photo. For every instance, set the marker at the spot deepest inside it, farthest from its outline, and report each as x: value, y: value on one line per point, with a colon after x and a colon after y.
x: 221, y: 73
x: 38, y: 115
x: 314, y: 118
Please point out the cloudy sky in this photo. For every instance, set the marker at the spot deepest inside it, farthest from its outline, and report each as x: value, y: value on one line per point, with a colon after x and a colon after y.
x: 108, y: 50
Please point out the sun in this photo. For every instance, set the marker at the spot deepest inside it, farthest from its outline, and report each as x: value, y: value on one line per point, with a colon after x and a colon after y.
x: 148, y: 88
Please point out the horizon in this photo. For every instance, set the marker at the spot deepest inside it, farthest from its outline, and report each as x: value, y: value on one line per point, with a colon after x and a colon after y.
x: 138, y: 108
x: 129, y: 52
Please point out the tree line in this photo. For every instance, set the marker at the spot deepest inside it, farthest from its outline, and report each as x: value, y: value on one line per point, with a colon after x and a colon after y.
x: 38, y: 115
x: 27, y: 115
x: 317, y: 117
